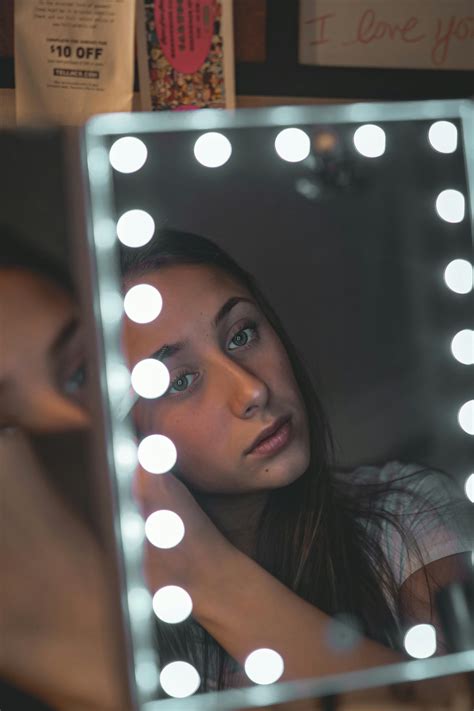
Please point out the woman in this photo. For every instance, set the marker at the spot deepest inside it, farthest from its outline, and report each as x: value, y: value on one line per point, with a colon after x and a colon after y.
x: 277, y: 544
x: 57, y: 633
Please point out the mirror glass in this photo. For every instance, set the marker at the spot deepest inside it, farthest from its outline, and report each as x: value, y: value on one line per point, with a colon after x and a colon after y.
x: 298, y: 296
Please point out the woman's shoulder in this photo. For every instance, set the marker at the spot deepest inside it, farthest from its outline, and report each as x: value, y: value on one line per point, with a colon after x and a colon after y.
x: 428, y: 505
x: 405, y: 485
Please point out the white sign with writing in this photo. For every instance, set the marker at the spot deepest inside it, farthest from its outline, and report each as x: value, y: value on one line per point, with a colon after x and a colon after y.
x: 73, y: 59
x: 416, y: 34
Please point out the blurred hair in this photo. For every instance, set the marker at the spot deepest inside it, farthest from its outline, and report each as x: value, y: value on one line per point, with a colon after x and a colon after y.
x: 17, y: 252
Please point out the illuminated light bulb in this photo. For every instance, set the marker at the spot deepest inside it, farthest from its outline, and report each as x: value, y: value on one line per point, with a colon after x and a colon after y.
x: 111, y: 306
x: 370, y: 140
x: 469, y: 487
x: 458, y: 276
x: 164, y: 529
x: 466, y: 417
x: 143, y: 303
x: 146, y: 676
x: 451, y: 206
x: 172, y: 604
x: 462, y: 346
x: 150, y: 378
x: 157, y: 454
x: 104, y: 233
x: 180, y: 679
x: 344, y: 631
x: 133, y: 529
x: 139, y: 603
x: 135, y: 228
x: 126, y: 453
x: 443, y: 136
x: 420, y: 641
x: 293, y: 145
x: 118, y: 379
x: 264, y: 666
x: 212, y: 149
x: 97, y: 163
x: 128, y: 154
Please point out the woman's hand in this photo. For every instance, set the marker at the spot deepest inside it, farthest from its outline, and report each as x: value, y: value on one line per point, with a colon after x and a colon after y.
x: 203, y: 553
x: 56, y: 627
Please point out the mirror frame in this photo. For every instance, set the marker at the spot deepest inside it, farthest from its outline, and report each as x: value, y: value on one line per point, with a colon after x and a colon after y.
x: 115, y: 383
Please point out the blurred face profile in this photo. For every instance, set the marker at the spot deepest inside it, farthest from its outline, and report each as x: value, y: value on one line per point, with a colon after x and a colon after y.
x: 41, y: 358
x: 233, y: 408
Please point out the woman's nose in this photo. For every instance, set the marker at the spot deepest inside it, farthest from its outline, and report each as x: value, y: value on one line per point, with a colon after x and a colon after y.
x: 49, y: 412
x: 246, y: 393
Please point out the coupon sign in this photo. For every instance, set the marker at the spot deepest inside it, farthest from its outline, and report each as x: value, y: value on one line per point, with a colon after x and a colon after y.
x: 73, y: 59
x: 185, y: 30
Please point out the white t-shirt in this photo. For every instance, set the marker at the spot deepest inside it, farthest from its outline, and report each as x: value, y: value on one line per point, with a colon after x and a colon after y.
x: 440, y: 518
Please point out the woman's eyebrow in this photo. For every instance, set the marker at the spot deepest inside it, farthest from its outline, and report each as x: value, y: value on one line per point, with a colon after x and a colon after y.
x: 170, y: 349
x: 228, y: 306
x: 64, y: 336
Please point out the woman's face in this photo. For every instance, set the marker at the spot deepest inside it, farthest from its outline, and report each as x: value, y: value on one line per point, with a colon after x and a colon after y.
x: 231, y: 380
x: 41, y: 357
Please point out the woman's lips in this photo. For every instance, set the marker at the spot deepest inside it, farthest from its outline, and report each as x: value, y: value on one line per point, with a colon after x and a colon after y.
x: 275, y: 442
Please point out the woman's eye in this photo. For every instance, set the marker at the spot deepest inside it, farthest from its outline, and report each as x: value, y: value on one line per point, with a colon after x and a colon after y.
x: 243, y: 337
x: 181, y: 383
x: 76, y: 381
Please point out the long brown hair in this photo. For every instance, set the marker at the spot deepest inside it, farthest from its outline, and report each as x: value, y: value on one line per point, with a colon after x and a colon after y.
x: 311, y: 535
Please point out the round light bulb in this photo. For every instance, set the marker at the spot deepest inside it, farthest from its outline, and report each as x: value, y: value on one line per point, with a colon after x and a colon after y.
x: 343, y: 631
x: 157, y: 454
x: 125, y: 451
x: 143, y: 303
x: 139, y: 603
x: 164, y: 529
x: 469, y: 487
x: 462, y: 346
x: 451, y: 206
x: 128, y: 154
x: 146, y: 676
x: 443, y: 136
x: 133, y: 529
x: 264, y: 666
x: 179, y: 679
x: 458, y: 276
x: 466, y: 417
x: 172, y: 604
x: 420, y: 641
x: 111, y: 306
x: 135, y: 228
x: 150, y: 378
x: 212, y: 149
x: 293, y: 145
x: 370, y: 140
x: 118, y: 379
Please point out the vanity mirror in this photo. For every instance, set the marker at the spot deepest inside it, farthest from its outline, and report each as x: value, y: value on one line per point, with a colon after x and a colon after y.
x: 304, y: 434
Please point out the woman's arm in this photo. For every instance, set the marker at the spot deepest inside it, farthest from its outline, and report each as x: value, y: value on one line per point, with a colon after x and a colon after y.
x: 414, y: 594
x: 245, y: 608
x: 239, y: 603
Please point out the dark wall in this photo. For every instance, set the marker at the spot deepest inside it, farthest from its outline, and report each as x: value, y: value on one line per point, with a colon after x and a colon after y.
x: 355, y: 273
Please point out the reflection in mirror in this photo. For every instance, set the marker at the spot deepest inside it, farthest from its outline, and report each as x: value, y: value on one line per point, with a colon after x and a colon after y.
x: 56, y: 622
x: 299, y: 343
